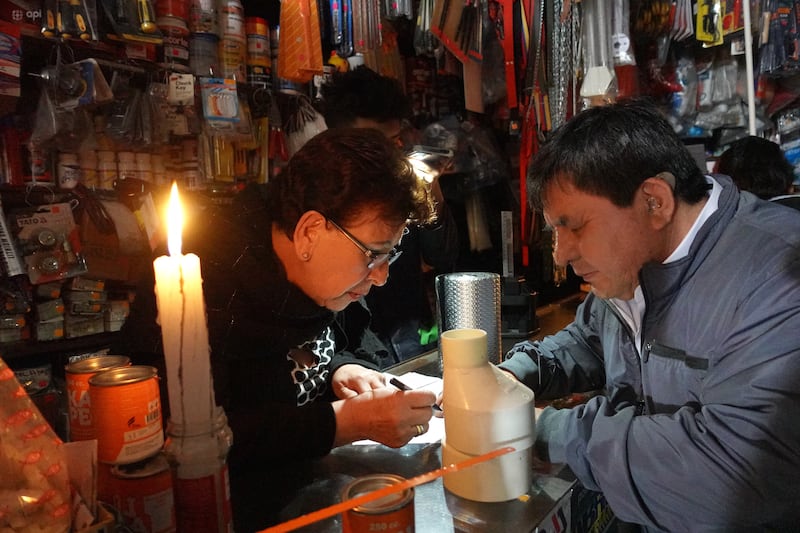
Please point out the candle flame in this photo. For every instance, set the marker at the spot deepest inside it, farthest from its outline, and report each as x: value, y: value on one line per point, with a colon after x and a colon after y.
x: 174, y: 222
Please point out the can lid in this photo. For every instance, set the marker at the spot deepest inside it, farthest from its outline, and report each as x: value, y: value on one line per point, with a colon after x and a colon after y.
x: 141, y: 469
x: 365, y: 484
x: 97, y: 363
x: 123, y: 375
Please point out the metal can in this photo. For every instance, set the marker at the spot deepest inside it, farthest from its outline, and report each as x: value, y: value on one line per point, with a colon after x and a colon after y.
x: 204, y: 54
x: 77, y: 376
x: 175, y: 49
x: 141, y: 492
x: 126, y: 413
x: 393, y: 513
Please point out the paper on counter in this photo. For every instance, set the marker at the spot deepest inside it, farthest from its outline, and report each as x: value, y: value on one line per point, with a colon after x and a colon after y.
x: 415, y: 380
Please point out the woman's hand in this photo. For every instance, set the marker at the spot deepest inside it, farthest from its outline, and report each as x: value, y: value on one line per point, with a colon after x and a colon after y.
x: 385, y: 415
x: 352, y: 380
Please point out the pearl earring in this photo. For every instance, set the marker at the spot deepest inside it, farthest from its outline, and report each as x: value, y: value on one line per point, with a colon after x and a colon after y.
x: 306, y: 256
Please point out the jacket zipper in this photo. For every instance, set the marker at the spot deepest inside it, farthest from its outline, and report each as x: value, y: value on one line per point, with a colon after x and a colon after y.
x: 641, y: 406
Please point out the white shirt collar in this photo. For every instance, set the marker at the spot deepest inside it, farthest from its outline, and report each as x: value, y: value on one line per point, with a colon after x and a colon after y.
x: 633, y: 310
x: 711, y: 206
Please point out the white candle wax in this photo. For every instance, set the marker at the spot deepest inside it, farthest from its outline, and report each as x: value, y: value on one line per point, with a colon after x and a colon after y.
x: 182, y: 316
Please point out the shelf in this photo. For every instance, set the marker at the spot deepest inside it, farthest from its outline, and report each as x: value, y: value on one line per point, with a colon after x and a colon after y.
x: 29, y: 352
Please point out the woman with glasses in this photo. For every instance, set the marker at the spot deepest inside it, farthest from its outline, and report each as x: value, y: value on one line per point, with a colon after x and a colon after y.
x: 278, y: 264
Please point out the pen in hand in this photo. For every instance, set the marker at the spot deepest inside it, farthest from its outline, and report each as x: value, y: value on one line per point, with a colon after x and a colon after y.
x: 402, y: 386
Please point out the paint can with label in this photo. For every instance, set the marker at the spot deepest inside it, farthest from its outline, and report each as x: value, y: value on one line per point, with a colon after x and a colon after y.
x: 175, y: 49
x: 393, y: 513
x: 141, y: 492
x: 198, y: 453
x: 77, y: 376
x: 126, y: 413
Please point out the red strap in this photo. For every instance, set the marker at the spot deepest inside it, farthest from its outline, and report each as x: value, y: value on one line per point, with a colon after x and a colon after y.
x: 508, y: 52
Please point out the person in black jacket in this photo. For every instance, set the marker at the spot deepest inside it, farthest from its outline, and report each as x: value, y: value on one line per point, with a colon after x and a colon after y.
x: 759, y: 166
x: 401, y: 309
x: 278, y: 264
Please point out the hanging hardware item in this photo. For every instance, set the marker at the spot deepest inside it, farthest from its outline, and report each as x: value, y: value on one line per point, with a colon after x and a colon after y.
x: 300, y: 56
x: 424, y: 41
x: 600, y: 83
x: 459, y: 26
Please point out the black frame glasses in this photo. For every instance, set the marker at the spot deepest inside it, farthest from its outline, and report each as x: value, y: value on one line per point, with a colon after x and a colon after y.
x: 375, y: 257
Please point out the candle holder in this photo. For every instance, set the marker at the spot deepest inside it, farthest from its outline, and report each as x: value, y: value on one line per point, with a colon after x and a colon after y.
x: 198, y: 454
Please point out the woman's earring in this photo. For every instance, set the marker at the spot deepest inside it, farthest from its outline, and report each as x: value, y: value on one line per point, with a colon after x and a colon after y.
x: 306, y: 256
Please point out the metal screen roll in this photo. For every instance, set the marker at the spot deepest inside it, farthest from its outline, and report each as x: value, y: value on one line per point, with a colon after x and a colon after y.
x: 471, y: 300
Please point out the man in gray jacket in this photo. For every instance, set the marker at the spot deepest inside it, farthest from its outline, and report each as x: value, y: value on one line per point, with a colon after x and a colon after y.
x: 692, y: 331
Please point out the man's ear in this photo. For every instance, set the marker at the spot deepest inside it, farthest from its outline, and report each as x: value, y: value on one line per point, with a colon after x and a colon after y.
x: 307, y: 233
x: 658, y: 199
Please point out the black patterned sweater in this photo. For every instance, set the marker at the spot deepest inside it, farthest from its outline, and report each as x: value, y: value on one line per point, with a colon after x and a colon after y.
x: 278, y: 409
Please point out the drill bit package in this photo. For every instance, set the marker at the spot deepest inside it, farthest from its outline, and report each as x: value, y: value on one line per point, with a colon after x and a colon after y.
x: 34, y: 482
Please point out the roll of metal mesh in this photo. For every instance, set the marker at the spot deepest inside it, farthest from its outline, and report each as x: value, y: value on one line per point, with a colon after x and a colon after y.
x: 471, y: 300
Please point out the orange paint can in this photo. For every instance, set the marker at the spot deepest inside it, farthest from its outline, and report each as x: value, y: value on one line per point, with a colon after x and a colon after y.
x: 142, y: 493
x: 126, y: 413
x: 77, y: 384
x: 391, y: 514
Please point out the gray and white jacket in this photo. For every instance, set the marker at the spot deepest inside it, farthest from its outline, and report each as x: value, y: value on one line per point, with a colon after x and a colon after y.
x: 701, y: 431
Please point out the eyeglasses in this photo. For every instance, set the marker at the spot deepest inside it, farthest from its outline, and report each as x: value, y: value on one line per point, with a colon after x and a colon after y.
x: 376, y: 258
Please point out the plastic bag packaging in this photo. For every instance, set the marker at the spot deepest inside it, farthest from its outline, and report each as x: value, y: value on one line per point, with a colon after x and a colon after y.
x: 684, y: 102
x: 123, y: 112
x: 303, y: 123
x: 34, y: 482
x: 476, y: 154
x: 62, y: 129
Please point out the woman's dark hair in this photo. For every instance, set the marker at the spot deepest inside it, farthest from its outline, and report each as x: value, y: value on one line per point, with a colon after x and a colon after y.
x: 610, y: 150
x: 757, y: 165
x: 344, y: 171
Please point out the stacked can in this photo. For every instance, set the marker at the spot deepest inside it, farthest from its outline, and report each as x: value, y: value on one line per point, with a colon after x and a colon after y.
x: 233, y: 41
x: 204, y: 38
x: 77, y: 375
x: 144, y: 166
x: 171, y: 18
x: 88, y: 162
x: 125, y: 406
x: 259, y: 60
x: 106, y: 169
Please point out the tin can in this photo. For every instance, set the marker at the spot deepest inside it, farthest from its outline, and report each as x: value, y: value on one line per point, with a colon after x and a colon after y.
x: 141, y: 492
x: 203, y: 16
x: 391, y: 514
x: 126, y: 413
x: 77, y: 376
x: 175, y: 49
x: 204, y: 54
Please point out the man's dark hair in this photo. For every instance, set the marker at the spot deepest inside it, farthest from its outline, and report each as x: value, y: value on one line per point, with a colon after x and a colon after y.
x: 757, y: 165
x: 342, y: 172
x: 363, y: 93
x: 610, y: 150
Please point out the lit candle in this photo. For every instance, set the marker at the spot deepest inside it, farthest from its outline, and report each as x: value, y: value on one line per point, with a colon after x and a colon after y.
x: 182, y: 315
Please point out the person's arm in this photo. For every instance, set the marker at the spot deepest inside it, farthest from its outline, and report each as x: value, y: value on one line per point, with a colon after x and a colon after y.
x: 726, y: 453
x: 565, y: 362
